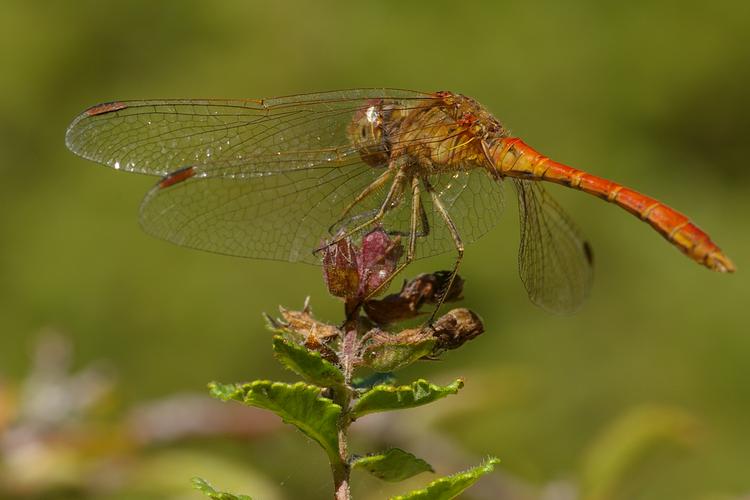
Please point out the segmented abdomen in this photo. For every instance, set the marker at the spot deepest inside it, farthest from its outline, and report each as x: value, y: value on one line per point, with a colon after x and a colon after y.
x: 512, y: 157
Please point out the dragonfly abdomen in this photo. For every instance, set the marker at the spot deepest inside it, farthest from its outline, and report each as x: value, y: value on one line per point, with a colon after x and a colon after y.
x: 512, y: 157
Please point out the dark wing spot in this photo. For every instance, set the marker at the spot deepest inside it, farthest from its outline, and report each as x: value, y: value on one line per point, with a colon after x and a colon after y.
x: 176, y: 177
x: 588, y: 252
x: 107, y: 107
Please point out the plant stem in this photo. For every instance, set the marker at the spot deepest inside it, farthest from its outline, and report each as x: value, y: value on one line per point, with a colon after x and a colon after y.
x: 343, y: 397
x: 341, y: 481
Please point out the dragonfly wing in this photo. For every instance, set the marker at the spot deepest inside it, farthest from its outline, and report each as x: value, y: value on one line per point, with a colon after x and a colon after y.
x: 278, y: 215
x: 157, y: 137
x: 268, y: 178
x: 474, y: 202
x: 253, y: 178
x: 555, y: 262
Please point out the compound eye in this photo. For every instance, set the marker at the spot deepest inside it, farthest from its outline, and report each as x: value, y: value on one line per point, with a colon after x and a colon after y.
x: 364, y: 132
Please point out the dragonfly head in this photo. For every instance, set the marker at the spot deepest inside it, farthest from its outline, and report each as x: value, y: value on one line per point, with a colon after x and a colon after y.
x: 367, y: 132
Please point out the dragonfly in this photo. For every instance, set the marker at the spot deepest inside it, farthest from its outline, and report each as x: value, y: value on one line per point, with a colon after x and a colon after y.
x: 273, y: 178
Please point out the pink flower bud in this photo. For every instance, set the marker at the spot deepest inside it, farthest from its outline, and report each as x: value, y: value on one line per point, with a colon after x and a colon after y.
x: 377, y: 259
x: 340, y: 269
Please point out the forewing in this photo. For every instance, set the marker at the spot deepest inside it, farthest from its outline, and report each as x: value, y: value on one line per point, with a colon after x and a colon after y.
x: 157, y: 137
x: 253, y: 178
x: 555, y: 262
x: 269, y: 178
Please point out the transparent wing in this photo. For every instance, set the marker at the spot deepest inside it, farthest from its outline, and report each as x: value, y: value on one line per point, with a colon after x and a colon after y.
x: 157, y: 137
x: 270, y: 178
x: 555, y: 262
x: 286, y: 217
x: 253, y: 178
x: 474, y: 201
x: 281, y: 215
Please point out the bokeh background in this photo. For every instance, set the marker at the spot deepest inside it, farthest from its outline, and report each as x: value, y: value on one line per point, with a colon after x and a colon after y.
x: 643, y: 394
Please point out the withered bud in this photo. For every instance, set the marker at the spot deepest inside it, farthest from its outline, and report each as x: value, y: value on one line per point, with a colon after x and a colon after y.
x: 455, y: 328
x: 425, y: 288
x: 440, y: 282
x: 313, y: 334
x: 378, y: 259
x: 313, y: 343
x: 391, y: 309
x: 340, y: 268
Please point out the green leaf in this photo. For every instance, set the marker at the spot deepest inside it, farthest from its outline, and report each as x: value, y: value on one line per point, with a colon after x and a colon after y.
x: 298, y: 404
x: 391, y: 356
x: 371, y: 380
x: 388, y: 397
x: 226, y: 392
x: 205, y: 487
x: 393, y: 465
x: 308, y: 364
x: 449, y: 487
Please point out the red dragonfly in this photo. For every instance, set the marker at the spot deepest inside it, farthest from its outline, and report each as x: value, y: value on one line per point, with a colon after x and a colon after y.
x: 272, y: 178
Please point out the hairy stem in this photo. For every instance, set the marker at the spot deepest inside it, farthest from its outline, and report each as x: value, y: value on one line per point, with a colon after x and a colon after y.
x: 341, y: 481
x: 341, y: 469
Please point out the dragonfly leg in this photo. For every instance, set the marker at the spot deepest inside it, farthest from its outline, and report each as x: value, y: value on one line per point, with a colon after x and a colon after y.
x: 376, y: 184
x: 393, y: 193
x: 456, y: 240
x: 424, y: 230
x: 425, y: 221
x: 417, y: 213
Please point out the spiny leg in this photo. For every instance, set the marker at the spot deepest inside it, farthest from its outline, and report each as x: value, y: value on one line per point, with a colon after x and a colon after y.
x: 456, y: 240
x: 424, y: 230
x: 417, y: 212
x: 425, y: 221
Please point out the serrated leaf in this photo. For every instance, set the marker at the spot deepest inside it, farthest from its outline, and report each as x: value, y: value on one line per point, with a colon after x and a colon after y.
x: 449, y: 487
x: 226, y: 392
x: 393, y: 465
x: 388, y: 397
x: 298, y: 404
x: 205, y: 487
x: 306, y: 363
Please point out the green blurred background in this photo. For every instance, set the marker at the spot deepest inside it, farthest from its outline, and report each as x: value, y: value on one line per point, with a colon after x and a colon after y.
x: 651, y: 94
